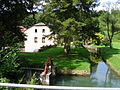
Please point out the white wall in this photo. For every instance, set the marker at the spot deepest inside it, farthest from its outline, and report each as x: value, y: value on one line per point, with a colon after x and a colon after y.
x: 30, y: 45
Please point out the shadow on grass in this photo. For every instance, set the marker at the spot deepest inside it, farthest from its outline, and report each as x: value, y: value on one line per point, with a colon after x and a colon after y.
x: 107, y: 52
x: 78, y: 59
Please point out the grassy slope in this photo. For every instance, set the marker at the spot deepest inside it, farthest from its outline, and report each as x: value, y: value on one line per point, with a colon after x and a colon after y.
x: 112, y: 55
x: 77, y: 60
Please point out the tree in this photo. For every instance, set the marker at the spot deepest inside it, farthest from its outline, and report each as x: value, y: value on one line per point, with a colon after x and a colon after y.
x: 31, y: 19
x: 69, y: 19
x: 109, y: 20
x: 9, y: 63
x: 12, y: 12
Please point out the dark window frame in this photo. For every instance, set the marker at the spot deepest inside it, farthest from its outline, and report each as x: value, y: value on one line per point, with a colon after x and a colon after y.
x: 43, y: 39
x: 35, y: 39
x: 35, y: 30
x: 43, y: 30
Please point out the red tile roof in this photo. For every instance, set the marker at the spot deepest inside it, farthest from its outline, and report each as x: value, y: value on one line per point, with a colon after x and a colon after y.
x: 22, y: 28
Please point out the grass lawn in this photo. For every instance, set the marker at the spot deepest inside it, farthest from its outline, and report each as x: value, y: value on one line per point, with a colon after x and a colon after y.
x: 112, y: 55
x: 77, y: 60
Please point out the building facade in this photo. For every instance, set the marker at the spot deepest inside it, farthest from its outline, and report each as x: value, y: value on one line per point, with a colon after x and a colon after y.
x: 38, y: 36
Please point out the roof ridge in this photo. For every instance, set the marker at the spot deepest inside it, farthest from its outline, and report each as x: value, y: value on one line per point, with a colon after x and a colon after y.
x: 39, y: 24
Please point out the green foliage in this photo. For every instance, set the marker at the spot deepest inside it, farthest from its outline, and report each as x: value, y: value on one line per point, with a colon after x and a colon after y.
x: 116, y: 37
x: 9, y: 67
x: 106, y: 41
x: 73, y: 19
x: 12, y: 12
x: 95, y: 58
x: 99, y: 39
x: 78, y: 43
x: 109, y: 23
x: 32, y: 19
x: 4, y: 80
x: 32, y: 80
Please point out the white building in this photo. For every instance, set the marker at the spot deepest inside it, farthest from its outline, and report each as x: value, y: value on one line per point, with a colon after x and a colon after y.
x: 37, y: 36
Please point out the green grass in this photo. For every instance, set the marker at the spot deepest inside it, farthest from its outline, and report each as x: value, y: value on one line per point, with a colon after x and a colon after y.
x: 77, y: 60
x: 112, y: 55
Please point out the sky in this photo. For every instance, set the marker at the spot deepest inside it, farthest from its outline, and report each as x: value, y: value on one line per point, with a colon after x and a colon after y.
x: 103, y: 2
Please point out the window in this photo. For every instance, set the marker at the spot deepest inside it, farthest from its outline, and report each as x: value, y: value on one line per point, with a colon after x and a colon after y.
x: 43, y: 30
x: 35, y: 30
x: 35, y: 39
x: 43, y: 39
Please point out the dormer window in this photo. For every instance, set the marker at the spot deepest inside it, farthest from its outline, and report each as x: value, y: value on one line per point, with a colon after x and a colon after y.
x: 43, y: 30
x: 35, y: 30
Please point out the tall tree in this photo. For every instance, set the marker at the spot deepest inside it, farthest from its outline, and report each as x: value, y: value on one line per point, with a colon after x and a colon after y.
x: 68, y: 19
x: 31, y: 19
x: 12, y: 12
x: 109, y: 20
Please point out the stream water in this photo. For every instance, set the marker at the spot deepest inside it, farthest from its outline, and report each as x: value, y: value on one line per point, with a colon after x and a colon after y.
x: 101, y: 76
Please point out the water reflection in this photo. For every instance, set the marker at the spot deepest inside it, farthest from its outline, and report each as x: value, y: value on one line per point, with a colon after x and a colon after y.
x: 101, y: 76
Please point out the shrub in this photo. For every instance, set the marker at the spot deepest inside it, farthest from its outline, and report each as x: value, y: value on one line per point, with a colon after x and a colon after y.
x: 95, y: 57
x: 9, y: 66
x: 99, y: 39
x: 4, y: 80
x: 106, y: 41
x: 77, y: 43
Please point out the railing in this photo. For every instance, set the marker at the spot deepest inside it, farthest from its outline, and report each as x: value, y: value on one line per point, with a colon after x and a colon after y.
x: 54, y: 87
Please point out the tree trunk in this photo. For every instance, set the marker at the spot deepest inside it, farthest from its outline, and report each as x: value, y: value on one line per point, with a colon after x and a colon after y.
x: 113, y: 30
x: 111, y: 43
x: 67, y: 48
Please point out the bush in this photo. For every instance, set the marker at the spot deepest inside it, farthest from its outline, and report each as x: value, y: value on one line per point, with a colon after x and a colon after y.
x: 78, y: 43
x: 106, y: 41
x: 99, y: 38
x: 9, y: 66
x: 95, y: 57
x: 46, y: 47
x: 4, y: 80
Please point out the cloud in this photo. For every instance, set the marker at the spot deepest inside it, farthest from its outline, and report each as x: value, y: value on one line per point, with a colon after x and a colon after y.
x: 104, y: 2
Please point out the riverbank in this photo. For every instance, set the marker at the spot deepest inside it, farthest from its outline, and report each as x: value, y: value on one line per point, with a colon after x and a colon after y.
x: 113, y: 68
x: 112, y: 56
x: 74, y: 72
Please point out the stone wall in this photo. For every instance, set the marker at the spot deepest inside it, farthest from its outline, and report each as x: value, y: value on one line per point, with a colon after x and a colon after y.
x: 74, y: 72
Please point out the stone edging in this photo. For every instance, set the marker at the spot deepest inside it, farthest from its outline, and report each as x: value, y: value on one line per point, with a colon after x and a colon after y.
x: 84, y: 72
x: 74, y: 72
x: 113, y: 69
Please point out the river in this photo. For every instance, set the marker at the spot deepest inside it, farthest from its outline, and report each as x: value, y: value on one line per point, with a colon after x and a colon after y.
x: 101, y: 76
